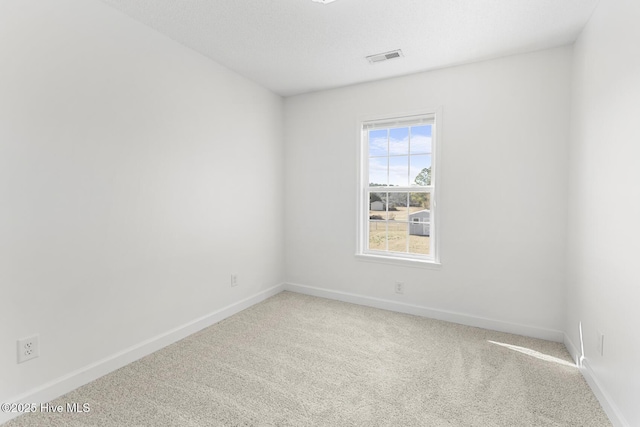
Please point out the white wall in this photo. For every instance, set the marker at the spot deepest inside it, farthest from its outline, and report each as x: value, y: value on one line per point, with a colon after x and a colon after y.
x: 129, y: 168
x: 604, y: 208
x: 503, y: 189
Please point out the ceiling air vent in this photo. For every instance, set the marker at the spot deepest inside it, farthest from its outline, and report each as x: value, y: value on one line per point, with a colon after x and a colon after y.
x: 380, y: 57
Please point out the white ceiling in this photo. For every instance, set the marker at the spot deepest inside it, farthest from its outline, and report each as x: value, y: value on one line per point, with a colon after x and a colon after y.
x: 297, y: 46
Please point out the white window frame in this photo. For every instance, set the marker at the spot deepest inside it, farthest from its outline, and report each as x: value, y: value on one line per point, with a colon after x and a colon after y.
x: 387, y: 121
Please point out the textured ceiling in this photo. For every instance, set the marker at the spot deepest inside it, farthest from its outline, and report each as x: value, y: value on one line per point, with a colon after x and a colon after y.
x: 297, y: 46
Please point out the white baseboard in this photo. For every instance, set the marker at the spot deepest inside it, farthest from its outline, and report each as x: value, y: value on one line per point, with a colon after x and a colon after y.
x: 82, y: 376
x: 449, y: 316
x: 612, y: 411
x: 572, y: 349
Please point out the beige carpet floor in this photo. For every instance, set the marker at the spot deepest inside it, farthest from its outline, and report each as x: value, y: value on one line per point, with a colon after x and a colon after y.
x: 296, y: 360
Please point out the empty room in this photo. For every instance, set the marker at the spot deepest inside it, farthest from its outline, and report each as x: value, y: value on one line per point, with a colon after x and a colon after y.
x: 319, y: 213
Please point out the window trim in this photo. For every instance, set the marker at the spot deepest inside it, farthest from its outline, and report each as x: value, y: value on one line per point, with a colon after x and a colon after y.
x: 362, y: 254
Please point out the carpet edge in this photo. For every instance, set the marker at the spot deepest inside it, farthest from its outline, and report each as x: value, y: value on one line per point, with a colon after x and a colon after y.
x: 432, y: 313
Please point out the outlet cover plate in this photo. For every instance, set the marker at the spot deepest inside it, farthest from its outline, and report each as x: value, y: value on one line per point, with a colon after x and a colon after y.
x: 399, y: 288
x: 600, y: 343
x: 28, y: 348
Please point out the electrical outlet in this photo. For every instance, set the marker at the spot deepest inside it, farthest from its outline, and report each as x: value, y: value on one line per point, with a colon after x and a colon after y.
x: 234, y: 280
x: 399, y: 288
x: 600, y: 343
x: 28, y: 348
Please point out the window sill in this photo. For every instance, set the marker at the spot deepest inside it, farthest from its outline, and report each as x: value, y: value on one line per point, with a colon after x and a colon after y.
x: 402, y: 262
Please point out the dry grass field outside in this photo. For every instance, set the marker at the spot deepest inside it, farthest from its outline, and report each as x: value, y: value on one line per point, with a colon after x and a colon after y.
x: 396, y: 232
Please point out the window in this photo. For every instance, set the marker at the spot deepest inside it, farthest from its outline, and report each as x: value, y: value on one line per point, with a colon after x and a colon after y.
x: 397, y: 214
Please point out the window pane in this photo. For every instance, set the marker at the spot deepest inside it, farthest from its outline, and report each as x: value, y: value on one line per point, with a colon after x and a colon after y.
x: 420, y: 139
x: 419, y: 245
x: 378, y: 142
x: 378, y: 201
x: 378, y: 171
x: 397, y: 236
x: 378, y: 206
x: 378, y: 235
x: 419, y: 222
x: 398, y: 204
x: 420, y: 170
x: 419, y: 200
x: 399, y: 141
x: 399, y: 170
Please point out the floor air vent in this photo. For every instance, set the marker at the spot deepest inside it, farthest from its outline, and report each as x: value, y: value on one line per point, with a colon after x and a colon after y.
x: 380, y: 57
